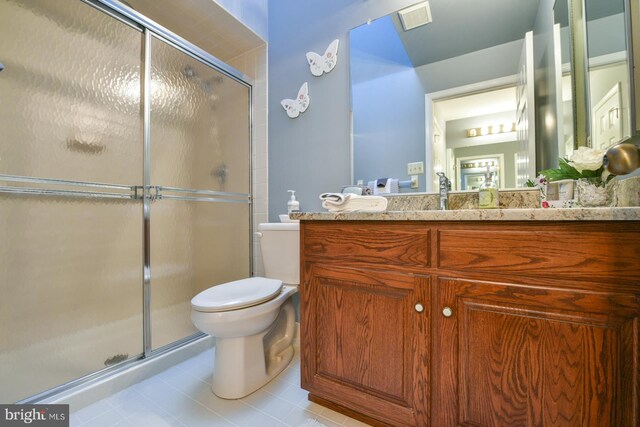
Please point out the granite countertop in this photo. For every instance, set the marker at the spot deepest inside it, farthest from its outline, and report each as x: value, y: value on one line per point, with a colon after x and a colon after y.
x: 515, y: 205
x: 527, y: 214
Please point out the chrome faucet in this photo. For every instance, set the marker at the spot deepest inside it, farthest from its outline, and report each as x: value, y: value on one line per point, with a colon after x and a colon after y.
x: 444, y: 187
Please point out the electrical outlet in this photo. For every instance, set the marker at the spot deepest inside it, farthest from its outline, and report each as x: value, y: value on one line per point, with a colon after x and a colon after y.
x: 415, y: 168
x: 414, y: 181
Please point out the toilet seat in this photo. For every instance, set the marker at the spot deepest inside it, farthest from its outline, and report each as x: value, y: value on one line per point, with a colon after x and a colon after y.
x: 237, y: 295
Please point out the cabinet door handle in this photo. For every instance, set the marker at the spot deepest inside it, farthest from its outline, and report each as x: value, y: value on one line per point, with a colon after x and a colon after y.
x: 447, y: 312
x: 419, y: 308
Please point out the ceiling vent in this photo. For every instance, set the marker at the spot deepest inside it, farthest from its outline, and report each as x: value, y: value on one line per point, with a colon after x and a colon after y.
x: 415, y: 16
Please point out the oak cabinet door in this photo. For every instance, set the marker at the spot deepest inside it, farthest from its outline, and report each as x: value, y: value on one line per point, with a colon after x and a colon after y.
x: 365, y: 341
x: 519, y: 355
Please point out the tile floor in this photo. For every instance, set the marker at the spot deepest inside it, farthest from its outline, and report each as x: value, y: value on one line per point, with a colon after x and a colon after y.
x: 180, y: 396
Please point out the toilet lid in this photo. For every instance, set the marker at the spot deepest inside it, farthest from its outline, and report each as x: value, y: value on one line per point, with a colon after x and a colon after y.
x: 236, y: 295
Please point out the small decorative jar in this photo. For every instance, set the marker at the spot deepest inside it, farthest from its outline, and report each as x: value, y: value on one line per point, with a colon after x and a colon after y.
x: 593, y: 192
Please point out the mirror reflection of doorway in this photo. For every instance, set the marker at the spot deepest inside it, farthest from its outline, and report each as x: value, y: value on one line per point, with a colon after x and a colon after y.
x: 478, y: 126
x: 607, y: 120
x: 470, y: 171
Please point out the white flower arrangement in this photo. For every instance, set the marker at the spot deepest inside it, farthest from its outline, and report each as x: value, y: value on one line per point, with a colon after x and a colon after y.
x: 583, y: 163
x: 586, y: 159
x: 585, y: 166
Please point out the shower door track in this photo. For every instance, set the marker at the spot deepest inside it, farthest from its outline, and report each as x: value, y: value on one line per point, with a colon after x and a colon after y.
x: 147, y: 192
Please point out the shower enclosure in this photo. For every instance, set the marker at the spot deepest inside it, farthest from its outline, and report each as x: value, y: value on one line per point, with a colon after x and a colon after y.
x: 124, y: 189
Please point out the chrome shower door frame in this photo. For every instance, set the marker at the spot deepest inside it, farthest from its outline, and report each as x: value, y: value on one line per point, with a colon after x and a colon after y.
x: 152, y: 29
x: 148, y: 193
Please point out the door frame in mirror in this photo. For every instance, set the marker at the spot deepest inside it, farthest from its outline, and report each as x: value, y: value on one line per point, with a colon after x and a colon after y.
x: 579, y: 73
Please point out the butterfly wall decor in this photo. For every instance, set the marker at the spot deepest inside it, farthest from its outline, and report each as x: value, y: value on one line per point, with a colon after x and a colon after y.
x: 294, y: 107
x: 325, y: 63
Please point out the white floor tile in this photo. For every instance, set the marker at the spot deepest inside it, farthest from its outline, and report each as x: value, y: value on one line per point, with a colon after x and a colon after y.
x: 170, y: 400
x: 299, y: 417
x: 333, y: 416
x: 201, y: 416
x: 250, y: 416
x: 293, y: 394
x: 269, y: 404
x: 141, y: 411
x: 311, y: 406
x: 146, y: 386
x: 350, y: 422
x: 124, y: 396
x: 276, y: 386
x: 181, y: 396
x: 74, y: 421
x: 200, y: 371
x: 92, y: 411
x: 291, y: 375
x: 106, y: 419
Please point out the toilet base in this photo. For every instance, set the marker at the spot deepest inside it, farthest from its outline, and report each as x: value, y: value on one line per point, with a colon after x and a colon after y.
x: 245, y: 364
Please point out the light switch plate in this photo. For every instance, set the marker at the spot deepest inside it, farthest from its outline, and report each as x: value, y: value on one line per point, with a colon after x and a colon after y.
x: 415, y: 168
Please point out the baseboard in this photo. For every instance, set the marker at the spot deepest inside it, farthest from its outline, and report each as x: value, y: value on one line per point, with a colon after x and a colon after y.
x: 103, y: 387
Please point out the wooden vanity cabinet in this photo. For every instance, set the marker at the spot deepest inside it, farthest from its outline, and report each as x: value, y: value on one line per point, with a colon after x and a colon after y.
x: 522, y: 355
x: 364, y: 343
x: 524, y: 324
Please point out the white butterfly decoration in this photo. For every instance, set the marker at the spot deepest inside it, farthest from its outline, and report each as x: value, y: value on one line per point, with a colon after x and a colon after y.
x: 294, y: 107
x: 325, y: 63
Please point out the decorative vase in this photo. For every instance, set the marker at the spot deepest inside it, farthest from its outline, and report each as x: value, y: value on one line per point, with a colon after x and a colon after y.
x: 593, y: 192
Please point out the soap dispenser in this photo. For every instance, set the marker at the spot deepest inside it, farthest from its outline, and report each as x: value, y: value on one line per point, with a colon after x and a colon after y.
x: 293, y: 205
x: 488, y: 192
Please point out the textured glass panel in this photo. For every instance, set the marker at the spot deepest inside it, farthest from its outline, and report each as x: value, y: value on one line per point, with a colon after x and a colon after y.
x: 70, y: 286
x: 70, y: 93
x: 199, y: 124
x: 194, y: 245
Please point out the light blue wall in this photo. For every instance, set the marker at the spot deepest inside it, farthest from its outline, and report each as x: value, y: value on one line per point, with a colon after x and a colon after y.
x: 311, y: 154
x: 387, y: 102
x: 252, y: 13
x: 606, y: 35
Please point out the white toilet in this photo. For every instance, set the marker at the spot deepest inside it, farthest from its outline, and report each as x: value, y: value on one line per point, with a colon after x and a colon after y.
x: 253, y: 319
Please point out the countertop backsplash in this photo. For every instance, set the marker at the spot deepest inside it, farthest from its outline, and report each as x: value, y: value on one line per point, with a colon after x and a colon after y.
x: 629, y: 192
x: 628, y: 195
x: 509, y: 199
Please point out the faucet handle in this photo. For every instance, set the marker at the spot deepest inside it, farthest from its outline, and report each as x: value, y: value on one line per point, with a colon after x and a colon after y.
x: 444, y: 181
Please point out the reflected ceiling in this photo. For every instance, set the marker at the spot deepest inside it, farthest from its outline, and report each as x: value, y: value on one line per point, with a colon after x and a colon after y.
x: 461, y: 26
x: 480, y: 104
x: 464, y: 26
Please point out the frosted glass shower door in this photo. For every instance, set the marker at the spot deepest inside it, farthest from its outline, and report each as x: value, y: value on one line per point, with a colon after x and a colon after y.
x: 70, y: 231
x: 200, y: 171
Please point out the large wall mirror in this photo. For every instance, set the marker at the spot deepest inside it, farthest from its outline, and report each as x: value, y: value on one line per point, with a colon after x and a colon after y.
x: 465, y: 86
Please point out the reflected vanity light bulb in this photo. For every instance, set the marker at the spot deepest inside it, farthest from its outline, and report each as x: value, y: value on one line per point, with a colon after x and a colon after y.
x: 495, y: 129
x: 484, y: 130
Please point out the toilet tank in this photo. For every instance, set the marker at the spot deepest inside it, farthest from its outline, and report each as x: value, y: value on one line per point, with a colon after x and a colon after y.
x: 280, y: 245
